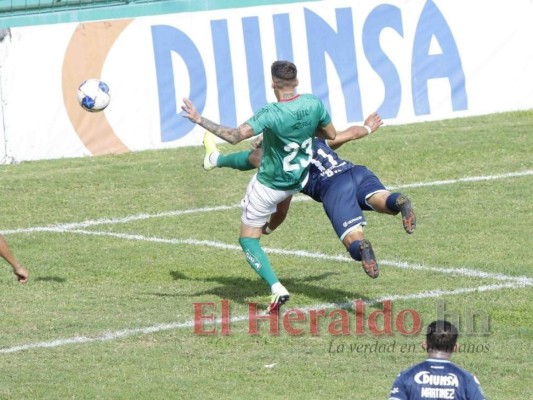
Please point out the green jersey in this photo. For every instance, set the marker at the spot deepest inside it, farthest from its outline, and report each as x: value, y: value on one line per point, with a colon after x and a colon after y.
x: 288, y: 127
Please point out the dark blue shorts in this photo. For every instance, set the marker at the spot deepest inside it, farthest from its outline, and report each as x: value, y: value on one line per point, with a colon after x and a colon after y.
x: 345, y: 198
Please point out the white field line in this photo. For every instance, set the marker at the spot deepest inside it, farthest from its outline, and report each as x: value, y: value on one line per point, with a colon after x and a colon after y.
x: 513, y: 282
x: 139, y: 217
x: 472, y: 273
x: 466, y: 179
x: 112, y: 221
x: 114, y: 335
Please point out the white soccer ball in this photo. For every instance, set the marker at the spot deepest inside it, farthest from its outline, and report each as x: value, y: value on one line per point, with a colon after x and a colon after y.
x: 93, y: 95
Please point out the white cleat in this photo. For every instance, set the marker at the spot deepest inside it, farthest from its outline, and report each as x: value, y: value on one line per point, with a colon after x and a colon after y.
x: 210, y: 148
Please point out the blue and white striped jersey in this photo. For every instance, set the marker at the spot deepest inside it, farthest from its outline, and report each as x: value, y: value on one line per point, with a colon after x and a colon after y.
x: 436, y: 379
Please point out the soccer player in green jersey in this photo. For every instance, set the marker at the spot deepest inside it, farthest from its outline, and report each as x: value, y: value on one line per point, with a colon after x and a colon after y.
x: 344, y: 189
x: 288, y: 128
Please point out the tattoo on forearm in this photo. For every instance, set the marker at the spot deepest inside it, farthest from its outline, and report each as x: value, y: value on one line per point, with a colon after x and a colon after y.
x: 231, y: 135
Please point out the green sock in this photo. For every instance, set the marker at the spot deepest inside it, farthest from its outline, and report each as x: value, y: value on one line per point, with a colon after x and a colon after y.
x: 258, y: 260
x: 238, y: 160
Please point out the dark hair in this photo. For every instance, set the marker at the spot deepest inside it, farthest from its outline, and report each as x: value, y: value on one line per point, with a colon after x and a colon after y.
x: 441, y: 336
x: 284, y: 70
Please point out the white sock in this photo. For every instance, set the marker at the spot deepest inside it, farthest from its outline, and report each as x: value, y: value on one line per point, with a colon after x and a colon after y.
x: 275, y: 287
x: 213, y: 158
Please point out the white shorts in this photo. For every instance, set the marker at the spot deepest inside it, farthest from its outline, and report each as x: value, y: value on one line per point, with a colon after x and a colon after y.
x: 260, y: 202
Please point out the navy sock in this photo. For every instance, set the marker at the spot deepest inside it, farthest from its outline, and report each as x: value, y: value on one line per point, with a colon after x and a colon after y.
x: 355, y: 251
x: 391, y: 202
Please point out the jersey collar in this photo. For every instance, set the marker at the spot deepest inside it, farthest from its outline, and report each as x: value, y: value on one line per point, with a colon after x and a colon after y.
x: 438, y: 360
x: 289, y: 99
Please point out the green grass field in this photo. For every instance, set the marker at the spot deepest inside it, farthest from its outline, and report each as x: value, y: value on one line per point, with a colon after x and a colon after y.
x: 121, y: 247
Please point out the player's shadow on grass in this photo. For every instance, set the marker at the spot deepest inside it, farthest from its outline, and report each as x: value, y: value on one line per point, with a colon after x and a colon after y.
x: 241, y: 290
x: 56, y: 279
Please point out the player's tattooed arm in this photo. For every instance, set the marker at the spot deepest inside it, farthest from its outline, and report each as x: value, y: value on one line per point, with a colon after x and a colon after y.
x: 231, y: 135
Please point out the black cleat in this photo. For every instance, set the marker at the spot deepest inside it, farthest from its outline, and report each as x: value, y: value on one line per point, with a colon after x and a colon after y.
x: 368, y: 259
x: 408, y: 215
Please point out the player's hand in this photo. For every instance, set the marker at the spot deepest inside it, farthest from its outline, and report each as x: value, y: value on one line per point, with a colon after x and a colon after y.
x: 190, y: 111
x: 22, y: 274
x: 373, y: 121
x: 266, y: 230
x: 256, y: 142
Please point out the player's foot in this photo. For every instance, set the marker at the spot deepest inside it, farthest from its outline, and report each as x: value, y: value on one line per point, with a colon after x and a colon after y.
x: 278, y: 299
x: 210, y: 148
x: 408, y: 215
x: 368, y: 259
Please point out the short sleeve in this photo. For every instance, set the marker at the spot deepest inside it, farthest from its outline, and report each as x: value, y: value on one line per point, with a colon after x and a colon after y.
x: 259, y: 121
x: 325, y: 118
x: 398, y: 391
x: 474, y: 389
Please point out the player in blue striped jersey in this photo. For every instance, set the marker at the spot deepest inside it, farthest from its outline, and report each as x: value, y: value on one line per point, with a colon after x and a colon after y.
x: 437, y: 377
x: 343, y: 188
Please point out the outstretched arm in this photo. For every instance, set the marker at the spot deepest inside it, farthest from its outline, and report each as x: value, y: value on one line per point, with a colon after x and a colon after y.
x: 231, y: 135
x: 372, y: 123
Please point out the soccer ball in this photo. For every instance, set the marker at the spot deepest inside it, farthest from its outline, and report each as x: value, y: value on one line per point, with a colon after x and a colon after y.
x: 93, y: 95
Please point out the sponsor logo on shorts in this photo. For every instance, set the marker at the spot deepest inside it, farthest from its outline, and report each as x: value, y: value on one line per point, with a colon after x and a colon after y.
x: 352, y: 221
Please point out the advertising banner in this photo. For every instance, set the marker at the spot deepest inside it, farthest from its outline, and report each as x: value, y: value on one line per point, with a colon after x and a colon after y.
x: 410, y: 61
